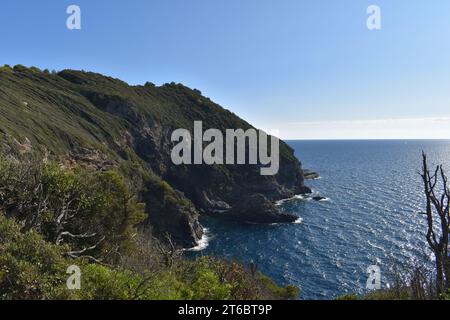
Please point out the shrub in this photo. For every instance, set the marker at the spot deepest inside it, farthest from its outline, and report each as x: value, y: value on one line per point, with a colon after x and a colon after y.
x: 35, y: 69
x: 212, y: 278
x: 20, y: 68
x: 446, y: 296
x: 33, y: 269
x: 92, y: 212
x: 6, y: 68
x: 30, y: 268
x: 284, y: 293
x: 52, y: 218
x: 347, y: 297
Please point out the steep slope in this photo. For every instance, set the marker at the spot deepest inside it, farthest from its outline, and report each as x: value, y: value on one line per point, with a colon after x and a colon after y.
x: 82, y: 118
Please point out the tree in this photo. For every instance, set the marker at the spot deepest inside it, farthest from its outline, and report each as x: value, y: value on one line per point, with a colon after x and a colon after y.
x: 438, y: 219
x: 93, y: 213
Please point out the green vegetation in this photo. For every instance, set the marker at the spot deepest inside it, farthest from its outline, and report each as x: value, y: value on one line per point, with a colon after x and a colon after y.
x: 52, y: 218
x: 106, y: 188
x: 93, y: 212
x: 84, y: 119
x: 348, y: 297
x: 77, y: 108
x: 86, y: 179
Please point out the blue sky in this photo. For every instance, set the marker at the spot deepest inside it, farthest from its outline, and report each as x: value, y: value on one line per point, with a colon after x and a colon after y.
x: 311, y: 69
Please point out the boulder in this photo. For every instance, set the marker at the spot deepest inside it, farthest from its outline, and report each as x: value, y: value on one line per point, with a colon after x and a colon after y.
x: 310, y: 175
x: 258, y: 209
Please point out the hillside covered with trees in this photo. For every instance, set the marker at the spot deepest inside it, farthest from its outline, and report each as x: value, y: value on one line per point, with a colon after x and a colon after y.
x: 86, y: 180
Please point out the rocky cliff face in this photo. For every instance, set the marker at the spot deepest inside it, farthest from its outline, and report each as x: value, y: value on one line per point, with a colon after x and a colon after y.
x: 88, y: 119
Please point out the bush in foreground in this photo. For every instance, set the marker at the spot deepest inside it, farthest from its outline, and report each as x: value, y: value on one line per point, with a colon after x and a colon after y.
x: 52, y: 218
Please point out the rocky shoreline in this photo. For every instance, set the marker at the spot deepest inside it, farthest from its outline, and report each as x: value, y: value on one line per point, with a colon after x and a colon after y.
x: 256, y: 209
x: 116, y: 126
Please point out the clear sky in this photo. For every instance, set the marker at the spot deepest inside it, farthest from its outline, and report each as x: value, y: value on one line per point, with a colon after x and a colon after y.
x: 311, y: 69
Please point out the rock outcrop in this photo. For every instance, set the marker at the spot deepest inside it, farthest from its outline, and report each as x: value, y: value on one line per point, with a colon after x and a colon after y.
x: 310, y: 175
x: 258, y: 209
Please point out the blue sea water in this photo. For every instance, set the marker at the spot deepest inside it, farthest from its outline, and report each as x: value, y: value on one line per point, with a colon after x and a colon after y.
x: 374, y: 192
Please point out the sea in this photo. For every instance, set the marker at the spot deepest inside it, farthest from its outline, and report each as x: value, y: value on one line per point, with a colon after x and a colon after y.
x: 370, y: 217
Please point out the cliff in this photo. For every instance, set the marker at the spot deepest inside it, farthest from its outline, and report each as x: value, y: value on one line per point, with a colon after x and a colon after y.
x: 87, y: 119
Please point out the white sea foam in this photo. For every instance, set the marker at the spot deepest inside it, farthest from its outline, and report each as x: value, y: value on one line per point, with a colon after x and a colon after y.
x: 296, y: 197
x: 298, y: 221
x: 203, y: 243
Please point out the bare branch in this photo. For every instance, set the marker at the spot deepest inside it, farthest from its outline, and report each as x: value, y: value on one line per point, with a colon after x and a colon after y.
x: 439, y: 229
